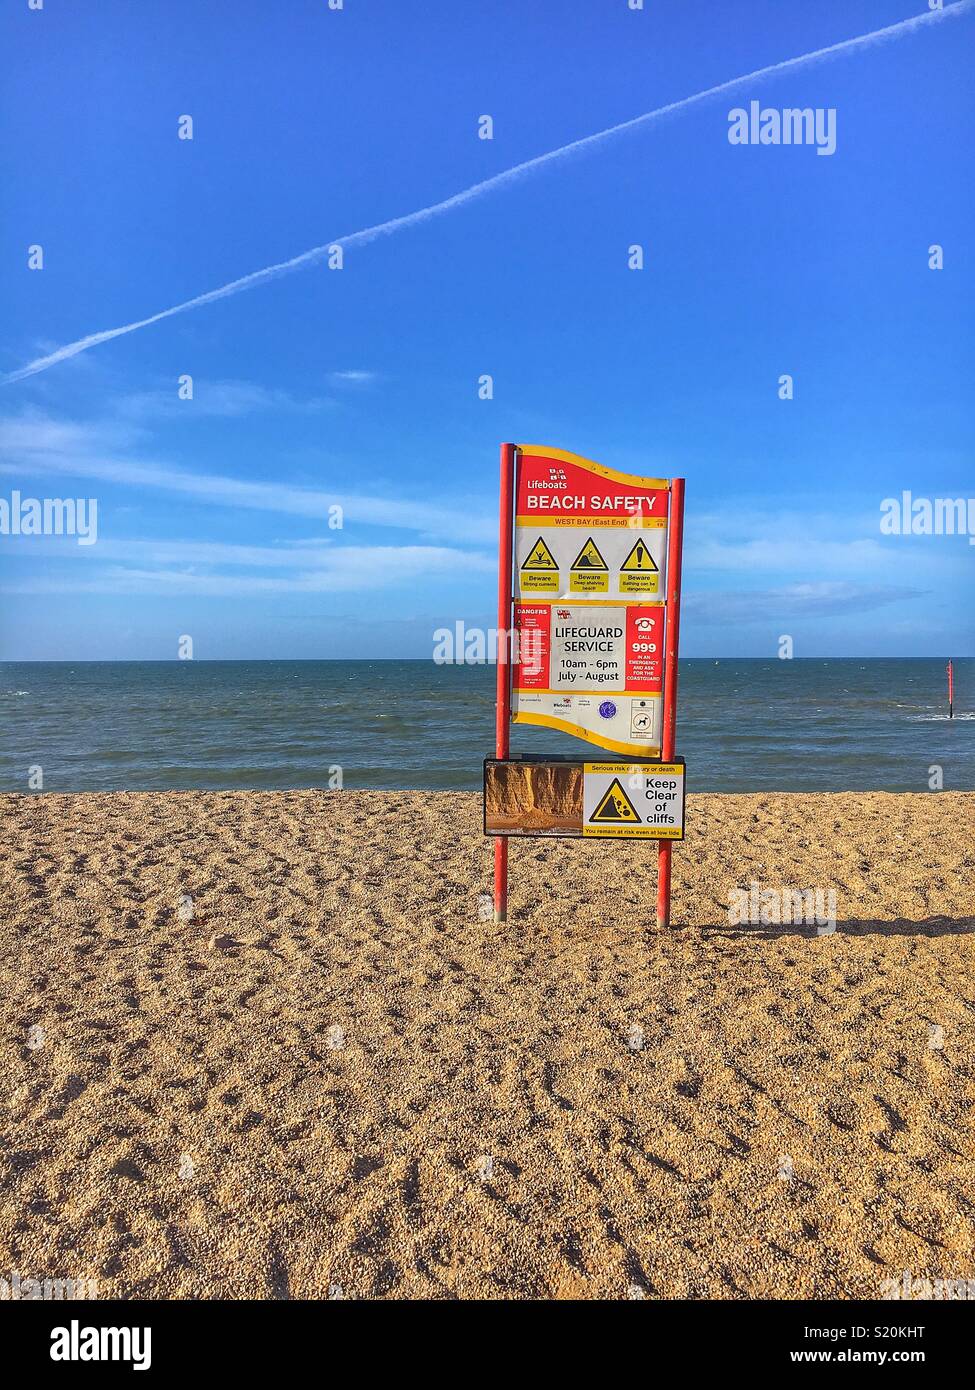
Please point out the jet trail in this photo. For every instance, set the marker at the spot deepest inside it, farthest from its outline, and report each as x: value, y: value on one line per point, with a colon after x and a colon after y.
x: 478, y: 190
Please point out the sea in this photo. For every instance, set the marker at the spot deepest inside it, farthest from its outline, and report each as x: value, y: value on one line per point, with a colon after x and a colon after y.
x: 743, y: 725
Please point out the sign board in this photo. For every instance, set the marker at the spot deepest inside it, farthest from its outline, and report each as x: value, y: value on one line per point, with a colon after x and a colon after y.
x: 584, y: 531
x: 589, y: 561
x: 589, y: 579
x: 633, y: 801
x: 593, y: 670
x: 536, y: 795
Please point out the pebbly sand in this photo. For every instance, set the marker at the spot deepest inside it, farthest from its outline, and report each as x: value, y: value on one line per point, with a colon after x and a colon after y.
x: 333, y: 1077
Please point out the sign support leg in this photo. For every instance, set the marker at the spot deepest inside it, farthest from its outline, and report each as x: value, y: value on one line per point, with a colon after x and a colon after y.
x: 503, y: 704
x: 675, y: 545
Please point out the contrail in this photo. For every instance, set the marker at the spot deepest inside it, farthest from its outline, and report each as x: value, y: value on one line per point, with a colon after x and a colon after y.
x: 478, y: 190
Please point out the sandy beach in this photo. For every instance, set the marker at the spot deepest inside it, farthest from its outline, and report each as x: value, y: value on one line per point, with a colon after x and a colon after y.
x: 262, y: 1045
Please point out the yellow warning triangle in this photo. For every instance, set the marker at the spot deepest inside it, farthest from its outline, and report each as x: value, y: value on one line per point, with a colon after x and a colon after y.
x: 589, y: 558
x: 639, y: 558
x: 616, y: 808
x: 540, y: 557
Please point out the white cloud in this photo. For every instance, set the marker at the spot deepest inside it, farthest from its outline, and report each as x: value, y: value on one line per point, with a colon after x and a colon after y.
x: 841, y: 545
x: 221, y: 398
x: 51, y: 447
x: 353, y: 378
x: 33, y: 433
x: 825, y: 599
x: 187, y: 567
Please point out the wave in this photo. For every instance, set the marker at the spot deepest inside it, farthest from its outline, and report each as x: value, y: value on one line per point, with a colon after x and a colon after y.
x: 936, y: 718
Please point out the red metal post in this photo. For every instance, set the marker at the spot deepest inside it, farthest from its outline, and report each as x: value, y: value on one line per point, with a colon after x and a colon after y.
x: 668, y: 746
x: 503, y: 706
x: 951, y: 691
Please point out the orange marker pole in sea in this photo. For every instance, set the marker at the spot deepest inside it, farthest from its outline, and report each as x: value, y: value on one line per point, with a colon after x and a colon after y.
x: 675, y: 546
x: 951, y: 691
x: 503, y: 705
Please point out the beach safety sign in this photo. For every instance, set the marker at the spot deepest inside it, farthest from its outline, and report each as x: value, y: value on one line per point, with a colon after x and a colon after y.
x: 585, y: 531
x: 589, y: 563
x: 589, y: 580
x: 636, y: 801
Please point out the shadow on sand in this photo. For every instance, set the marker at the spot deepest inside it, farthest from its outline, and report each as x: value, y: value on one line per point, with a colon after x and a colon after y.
x: 900, y: 926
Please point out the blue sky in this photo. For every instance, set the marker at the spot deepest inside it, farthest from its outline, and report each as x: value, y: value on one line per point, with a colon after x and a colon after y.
x: 359, y: 386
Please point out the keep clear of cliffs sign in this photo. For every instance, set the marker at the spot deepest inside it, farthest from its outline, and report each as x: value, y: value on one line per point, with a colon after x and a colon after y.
x: 589, y: 567
x: 637, y: 801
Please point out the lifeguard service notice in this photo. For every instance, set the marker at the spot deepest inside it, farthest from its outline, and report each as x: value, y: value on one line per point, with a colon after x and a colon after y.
x: 590, y: 546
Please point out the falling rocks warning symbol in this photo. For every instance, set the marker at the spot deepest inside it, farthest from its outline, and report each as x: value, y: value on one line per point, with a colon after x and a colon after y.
x: 616, y: 808
x: 540, y: 557
x: 589, y: 558
x: 639, y: 558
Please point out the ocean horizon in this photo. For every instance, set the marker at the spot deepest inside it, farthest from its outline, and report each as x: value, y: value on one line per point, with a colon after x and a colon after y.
x: 744, y: 724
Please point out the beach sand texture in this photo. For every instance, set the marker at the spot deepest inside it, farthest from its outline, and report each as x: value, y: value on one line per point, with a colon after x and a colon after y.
x: 335, y: 1077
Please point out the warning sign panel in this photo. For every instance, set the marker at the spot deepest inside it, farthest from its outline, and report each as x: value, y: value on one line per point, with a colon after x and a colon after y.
x: 604, y: 533
x: 642, y: 801
x: 615, y: 807
x: 639, y: 573
x: 589, y: 557
x: 540, y: 557
x: 540, y: 570
x: 589, y: 573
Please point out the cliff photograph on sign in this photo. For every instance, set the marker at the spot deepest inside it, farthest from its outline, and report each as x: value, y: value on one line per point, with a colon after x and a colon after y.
x: 487, y: 665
